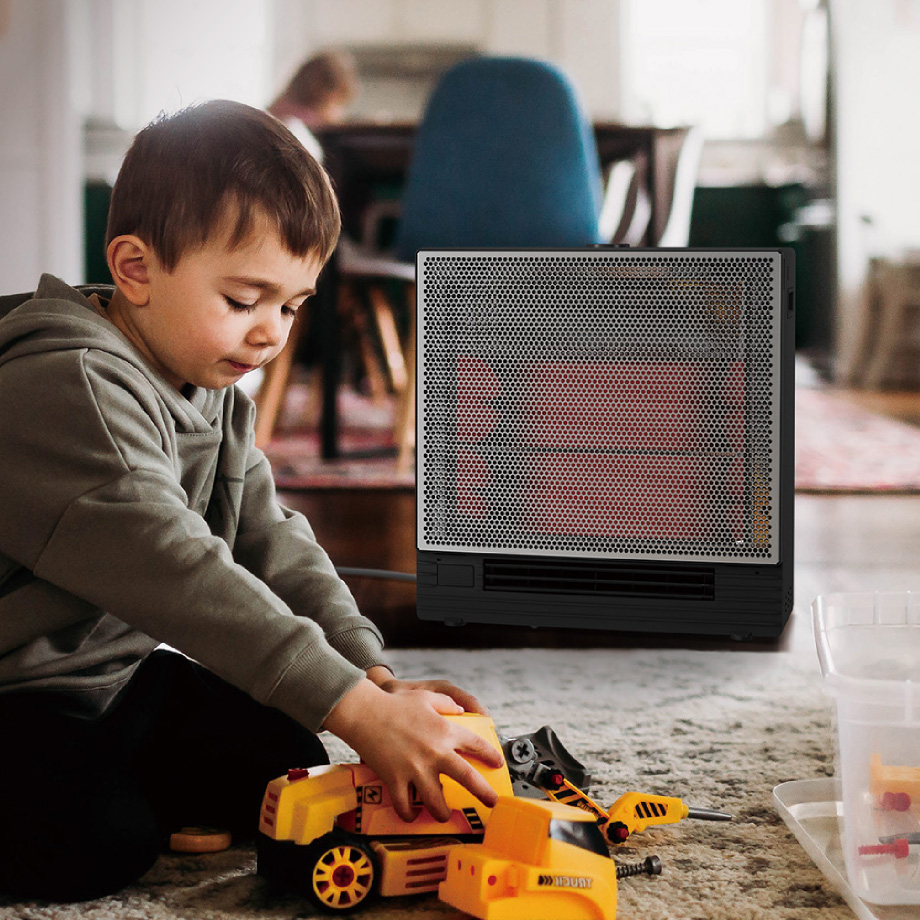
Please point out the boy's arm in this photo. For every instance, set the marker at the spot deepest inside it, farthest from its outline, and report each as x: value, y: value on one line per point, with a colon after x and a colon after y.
x: 92, y: 504
x: 279, y: 547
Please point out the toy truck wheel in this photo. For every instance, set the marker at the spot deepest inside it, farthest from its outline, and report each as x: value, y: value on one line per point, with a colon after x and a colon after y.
x: 340, y: 872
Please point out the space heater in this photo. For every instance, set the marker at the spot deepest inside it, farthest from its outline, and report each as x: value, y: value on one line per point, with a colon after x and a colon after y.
x: 605, y: 439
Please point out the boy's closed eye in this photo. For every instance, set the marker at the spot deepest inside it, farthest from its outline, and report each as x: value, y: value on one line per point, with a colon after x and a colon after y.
x: 289, y: 309
x: 239, y: 305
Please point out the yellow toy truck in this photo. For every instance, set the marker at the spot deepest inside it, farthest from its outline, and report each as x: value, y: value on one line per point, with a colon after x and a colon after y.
x: 537, y: 859
x: 332, y: 833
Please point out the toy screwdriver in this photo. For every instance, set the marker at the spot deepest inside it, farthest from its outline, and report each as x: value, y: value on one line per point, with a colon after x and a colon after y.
x: 631, y: 813
x: 913, y: 837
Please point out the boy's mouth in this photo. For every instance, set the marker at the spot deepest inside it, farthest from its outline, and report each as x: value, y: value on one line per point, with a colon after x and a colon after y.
x: 241, y: 368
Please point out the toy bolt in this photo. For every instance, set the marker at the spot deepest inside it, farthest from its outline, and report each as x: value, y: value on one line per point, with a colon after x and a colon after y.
x: 651, y: 865
x: 520, y: 751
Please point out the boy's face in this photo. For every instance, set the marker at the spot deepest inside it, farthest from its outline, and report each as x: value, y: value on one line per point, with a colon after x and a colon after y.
x: 221, y: 312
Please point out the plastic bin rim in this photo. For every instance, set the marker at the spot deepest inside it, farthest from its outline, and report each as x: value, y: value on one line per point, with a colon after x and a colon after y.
x: 837, y: 597
x: 833, y: 679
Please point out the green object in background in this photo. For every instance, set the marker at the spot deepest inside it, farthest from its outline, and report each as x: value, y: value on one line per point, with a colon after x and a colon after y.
x: 768, y: 216
x: 743, y: 215
x: 96, y: 197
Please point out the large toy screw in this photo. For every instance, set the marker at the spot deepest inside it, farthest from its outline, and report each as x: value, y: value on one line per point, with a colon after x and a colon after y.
x: 651, y: 865
x: 898, y: 847
x: 521, y: 751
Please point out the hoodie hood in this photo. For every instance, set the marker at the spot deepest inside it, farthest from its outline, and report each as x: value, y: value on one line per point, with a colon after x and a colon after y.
x: 58, y: 317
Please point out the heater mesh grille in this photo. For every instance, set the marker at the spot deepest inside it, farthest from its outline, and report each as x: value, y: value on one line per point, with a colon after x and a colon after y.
x: 600, y: 405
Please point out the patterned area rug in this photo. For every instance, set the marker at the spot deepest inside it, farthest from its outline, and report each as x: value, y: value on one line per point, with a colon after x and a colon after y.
x: 368, y: 452
x: 368, y: 461
x: 840, y: 447
x: 717, y: 728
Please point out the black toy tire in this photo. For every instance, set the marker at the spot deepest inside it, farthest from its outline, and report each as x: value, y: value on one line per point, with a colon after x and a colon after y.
x: 338, y: 872
x: 342, y: 872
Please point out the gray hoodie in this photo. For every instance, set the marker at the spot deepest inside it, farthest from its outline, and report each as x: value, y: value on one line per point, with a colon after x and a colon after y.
x: 132, y: 514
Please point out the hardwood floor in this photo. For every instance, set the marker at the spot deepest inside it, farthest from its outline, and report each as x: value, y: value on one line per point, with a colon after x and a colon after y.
x: 842, y: 543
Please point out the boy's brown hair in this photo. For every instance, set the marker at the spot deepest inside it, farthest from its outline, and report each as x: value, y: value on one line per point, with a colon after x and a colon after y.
x: 183, y: 172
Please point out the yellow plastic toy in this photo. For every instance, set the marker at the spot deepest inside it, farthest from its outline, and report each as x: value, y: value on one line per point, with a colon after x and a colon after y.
x: 331, y: 832
x: 537, y: 859
x: 894, y: 787
x: 632, y: 812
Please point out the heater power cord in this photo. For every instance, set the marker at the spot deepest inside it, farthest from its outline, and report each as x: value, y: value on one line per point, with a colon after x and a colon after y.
x: 375, y: 573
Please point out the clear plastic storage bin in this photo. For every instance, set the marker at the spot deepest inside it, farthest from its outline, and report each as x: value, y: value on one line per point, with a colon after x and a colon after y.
x: 869, y: 648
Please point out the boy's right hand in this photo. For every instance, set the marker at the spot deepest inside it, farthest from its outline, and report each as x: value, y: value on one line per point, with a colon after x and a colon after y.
x: 404, y: 738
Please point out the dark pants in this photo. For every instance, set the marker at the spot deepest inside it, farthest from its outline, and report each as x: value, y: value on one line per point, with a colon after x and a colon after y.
x: 86, y: 807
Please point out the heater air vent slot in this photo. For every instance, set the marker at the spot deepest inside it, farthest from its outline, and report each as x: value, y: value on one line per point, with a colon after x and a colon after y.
x: 619, y: 579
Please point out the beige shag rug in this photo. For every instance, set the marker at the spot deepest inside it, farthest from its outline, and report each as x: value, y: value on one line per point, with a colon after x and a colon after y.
x: 719, y: 729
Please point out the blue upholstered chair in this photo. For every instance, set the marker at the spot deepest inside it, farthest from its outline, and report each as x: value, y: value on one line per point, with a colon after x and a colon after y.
x: 504, y: 157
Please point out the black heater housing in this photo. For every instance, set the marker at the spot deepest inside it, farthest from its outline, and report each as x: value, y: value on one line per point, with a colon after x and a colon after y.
x: 605, y: 438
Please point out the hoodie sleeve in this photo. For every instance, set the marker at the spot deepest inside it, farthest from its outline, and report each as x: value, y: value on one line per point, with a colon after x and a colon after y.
x: 279, y: 546
x: 92, y: 503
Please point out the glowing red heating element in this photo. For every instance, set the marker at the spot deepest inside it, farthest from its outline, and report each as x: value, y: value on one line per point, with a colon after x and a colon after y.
x: 477, y: 383
x: 650, y: 449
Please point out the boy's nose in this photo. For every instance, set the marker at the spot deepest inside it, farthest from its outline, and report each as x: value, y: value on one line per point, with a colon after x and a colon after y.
x: 268, y: 331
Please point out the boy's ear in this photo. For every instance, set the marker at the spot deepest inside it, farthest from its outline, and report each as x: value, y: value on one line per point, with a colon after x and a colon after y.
x: 129, y: 259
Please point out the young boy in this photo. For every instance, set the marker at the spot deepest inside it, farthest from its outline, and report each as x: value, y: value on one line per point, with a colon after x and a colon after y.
x: 136, y: 511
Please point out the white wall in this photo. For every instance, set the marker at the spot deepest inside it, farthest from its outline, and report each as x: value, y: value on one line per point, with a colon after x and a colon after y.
x: 116, y: 64
x: 41, y: 202
x: 877, y: 51
x: 57, y: 59
x: 581, y: 36
x: 188, y: 51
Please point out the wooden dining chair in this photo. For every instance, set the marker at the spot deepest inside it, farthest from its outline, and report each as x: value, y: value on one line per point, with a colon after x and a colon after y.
x: 505, y: 156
